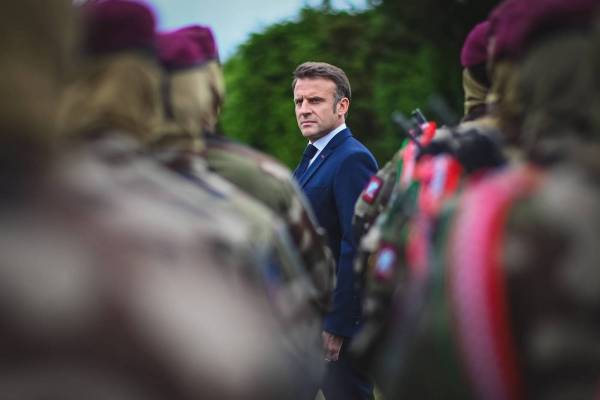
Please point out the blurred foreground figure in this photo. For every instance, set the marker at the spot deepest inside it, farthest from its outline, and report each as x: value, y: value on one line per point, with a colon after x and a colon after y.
x: 32, y: 76
x: 298, y: 286
x: 406, y: 197
x: 193, y: 95
x: 114, y: 284
x: 391, y: 180
x: 508, y: 306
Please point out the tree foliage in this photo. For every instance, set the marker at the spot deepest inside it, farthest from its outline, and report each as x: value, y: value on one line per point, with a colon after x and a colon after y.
x: 397, y: 54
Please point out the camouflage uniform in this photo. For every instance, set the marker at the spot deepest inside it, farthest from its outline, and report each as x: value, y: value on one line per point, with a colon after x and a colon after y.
x: 269, y: 264
x: 396, y: 247
x: 263, y: 178
x: 271, y: 184
x: 376, y: 196
x: 280, y: 274
x: 109, y: 272
x: 399, y: 247
x: 446, y: 326
x: 509, y: 308
x: 128, y: 259
x: 381, y: 192
x: 399, y: 243
x: 300, y: 277
x: 114, y: 133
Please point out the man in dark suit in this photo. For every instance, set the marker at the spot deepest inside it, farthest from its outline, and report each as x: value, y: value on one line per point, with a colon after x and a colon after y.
x: 334, y: 169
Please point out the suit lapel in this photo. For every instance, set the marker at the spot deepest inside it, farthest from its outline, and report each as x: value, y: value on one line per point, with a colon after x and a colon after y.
x: 324, y: 155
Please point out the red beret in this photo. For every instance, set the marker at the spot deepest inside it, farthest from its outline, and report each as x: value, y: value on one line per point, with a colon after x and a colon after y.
x: 514, y: 24
x: 474, y: 49
x: 187, y: 47
x: 114, y: 25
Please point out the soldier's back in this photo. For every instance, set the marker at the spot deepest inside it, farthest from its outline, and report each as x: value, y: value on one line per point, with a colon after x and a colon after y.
x: 104, y: 270
x: 266, y: 180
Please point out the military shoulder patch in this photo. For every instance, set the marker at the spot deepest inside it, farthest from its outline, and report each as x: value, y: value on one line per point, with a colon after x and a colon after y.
x: 386, y: 260
x: 372, y: 190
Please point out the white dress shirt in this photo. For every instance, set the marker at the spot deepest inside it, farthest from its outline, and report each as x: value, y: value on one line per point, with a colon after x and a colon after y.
x: 322, y: 142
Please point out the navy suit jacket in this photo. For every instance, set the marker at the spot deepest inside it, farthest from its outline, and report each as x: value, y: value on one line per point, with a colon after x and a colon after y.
x: 332, y: 184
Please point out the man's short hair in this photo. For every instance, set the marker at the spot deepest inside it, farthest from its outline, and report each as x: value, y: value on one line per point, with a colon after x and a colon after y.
x: 312, y: 69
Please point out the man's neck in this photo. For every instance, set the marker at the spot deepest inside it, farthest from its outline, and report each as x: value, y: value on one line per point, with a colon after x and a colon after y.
x: 325, y: 139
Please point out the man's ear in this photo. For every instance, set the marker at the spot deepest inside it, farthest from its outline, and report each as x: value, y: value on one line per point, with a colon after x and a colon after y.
x: 342, y: 106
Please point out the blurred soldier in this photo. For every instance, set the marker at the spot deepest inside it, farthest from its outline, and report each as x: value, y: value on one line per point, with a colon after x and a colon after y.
x: 549, y: 233
x: 193, y: 81
x: 114, y: 107
x: 509, y: 309
x: 390, y: 246
x: 398, y: 246
x: 376, y: 196
x: 194, y: 92
x: 177, y: 148
x: 31, y: 78
x: 384, y: 186
x: 120, y: 67
x: 107, y: 292
x: 508, y: 47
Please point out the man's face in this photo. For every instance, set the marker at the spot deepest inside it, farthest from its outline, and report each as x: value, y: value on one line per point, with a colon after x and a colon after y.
x: 315, y: 111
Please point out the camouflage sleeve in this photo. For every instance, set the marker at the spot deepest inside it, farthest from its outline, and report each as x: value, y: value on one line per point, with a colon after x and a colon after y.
x: 374, y: 198
x: 550, y: 265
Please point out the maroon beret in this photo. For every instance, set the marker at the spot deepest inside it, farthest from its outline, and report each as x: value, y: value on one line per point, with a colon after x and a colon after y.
x: 514, y: 24
x: 114, y: 25
x: 474, y: 49
x: 187, y: 47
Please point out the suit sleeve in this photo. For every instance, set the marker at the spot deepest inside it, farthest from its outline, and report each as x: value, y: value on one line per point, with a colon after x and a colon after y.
x: 351, y: 177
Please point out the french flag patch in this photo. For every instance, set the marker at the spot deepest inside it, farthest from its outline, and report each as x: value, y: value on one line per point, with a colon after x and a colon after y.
x: 372, y: 190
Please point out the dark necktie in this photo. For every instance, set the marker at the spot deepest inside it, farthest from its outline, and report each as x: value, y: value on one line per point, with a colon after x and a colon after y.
x: 308, y: 154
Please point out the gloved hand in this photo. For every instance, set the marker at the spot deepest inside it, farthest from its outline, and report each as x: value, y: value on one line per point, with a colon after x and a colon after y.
x: 437, y: 147
x: 472, y: 149
x: 476, y: 151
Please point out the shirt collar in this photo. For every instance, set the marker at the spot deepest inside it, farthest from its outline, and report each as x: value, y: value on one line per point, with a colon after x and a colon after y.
x: 322, y: 142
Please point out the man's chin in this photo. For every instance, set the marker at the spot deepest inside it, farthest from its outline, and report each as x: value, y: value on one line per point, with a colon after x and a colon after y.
x: 311, y: 135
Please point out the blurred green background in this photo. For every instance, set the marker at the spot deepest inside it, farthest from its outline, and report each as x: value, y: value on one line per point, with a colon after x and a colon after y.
x: 398, y: 55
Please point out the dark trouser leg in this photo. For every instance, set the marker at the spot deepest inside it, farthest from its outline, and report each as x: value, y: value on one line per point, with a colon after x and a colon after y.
x: 344, y: 382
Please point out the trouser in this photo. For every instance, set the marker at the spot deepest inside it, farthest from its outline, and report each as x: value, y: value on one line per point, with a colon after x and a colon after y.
x: 343, y: 381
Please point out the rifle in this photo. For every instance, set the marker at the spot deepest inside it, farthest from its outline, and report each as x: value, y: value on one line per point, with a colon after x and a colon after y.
x: 411, y: 127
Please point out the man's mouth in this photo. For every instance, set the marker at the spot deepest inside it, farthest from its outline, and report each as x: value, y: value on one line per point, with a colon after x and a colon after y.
x: 303, y: 123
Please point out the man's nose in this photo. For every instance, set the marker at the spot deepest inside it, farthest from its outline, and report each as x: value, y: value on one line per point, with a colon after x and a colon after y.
x: 304, y: 108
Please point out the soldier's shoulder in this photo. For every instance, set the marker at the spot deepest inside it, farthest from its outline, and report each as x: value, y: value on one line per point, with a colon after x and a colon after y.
x: 252, y: 172
x: 264, y: 162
